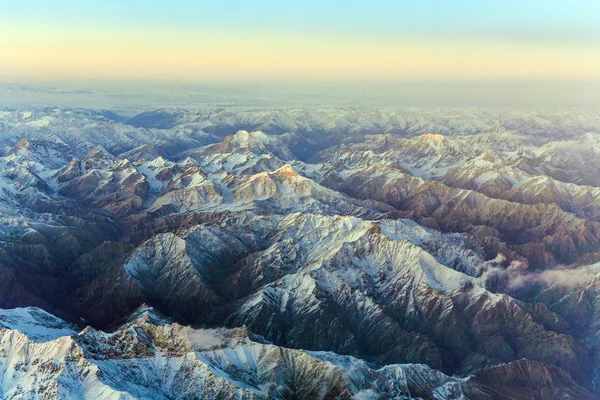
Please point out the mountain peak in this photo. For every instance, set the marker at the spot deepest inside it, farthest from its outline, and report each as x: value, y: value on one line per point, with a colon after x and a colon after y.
x: 146, y: 152
x: 489, y: 156
x: 23, y: 143
x: 286, y: 170
x: 245, y: 139
x: 96, y: 153
x: 147, y: 314
x: 432, y: 137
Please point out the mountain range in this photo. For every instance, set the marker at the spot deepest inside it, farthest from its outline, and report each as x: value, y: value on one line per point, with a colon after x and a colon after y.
x: 300, y: 253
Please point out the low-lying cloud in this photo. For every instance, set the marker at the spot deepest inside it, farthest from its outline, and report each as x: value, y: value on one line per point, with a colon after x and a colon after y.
x: 516, y: 275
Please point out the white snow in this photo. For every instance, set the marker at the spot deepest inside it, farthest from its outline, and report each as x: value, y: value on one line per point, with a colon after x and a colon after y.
x: 35, y: 323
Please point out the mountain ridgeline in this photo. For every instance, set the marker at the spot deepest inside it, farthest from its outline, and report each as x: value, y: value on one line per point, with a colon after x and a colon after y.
x: 302, y: 253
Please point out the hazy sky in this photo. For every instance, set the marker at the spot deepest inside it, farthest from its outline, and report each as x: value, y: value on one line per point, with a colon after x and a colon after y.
x: 229, y: 40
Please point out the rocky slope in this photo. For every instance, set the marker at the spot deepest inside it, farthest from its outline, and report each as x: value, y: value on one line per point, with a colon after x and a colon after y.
x: 151, y: 357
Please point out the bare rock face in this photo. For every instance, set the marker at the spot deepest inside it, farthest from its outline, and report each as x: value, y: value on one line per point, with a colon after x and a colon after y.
x: 526, y: 379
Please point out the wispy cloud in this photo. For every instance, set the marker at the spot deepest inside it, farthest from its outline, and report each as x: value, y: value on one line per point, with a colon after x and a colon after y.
x: 516, y: 275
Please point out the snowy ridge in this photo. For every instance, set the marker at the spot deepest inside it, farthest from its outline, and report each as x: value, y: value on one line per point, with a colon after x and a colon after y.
x: 135, y: 362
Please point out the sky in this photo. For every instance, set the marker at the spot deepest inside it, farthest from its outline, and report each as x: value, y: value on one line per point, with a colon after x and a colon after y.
x: 154, y: 53
x: 331, y: 40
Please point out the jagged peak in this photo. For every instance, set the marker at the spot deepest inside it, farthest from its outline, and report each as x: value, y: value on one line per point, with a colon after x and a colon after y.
x: 244, y: 138
x: 97, y: 152
x: 158, y: 161
x: 489, y: 156
x: 242, y: 133
x: 286, y: 170
x: 23, y: 143
x: 122, y: 165
x: 148, y: 314
x: 188, y: 161
x: 191, y: 169
x: 434, y: 137
x: 146, y: 152
x: 32, y: 144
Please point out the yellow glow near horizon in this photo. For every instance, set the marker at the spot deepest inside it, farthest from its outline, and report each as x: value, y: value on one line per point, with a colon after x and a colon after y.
x: 83, y: 53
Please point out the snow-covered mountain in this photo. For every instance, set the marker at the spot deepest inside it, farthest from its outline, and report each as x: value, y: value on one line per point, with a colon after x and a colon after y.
x: 448, y: 253
x: 150, y: 357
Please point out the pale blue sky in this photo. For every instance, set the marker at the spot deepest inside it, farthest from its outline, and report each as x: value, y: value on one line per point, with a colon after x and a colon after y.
x: 541, y: 19
x: 312, y: 39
